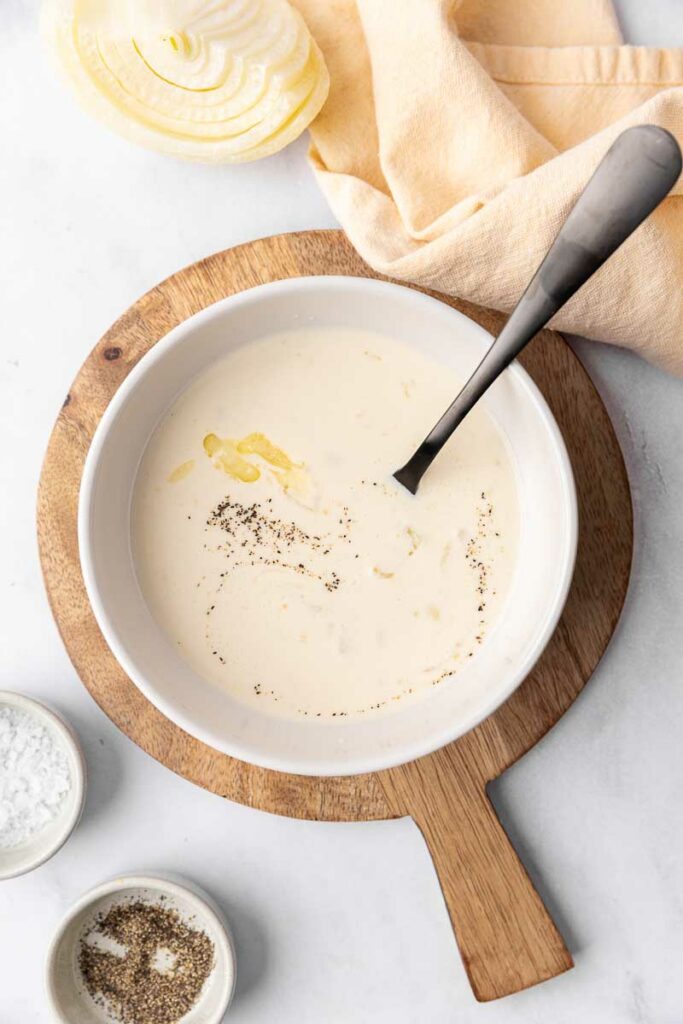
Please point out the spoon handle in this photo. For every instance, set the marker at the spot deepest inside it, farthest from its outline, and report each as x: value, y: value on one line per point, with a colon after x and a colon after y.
x: 634, y: 176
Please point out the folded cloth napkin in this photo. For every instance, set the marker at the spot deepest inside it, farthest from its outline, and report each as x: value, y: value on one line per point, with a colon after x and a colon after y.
x: 457, y: 136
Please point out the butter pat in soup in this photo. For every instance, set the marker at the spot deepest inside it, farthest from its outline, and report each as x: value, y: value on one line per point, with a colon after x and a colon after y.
x: 282, y: 560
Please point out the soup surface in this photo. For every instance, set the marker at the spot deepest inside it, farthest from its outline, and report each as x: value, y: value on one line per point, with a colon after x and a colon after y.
x: 278, y: 554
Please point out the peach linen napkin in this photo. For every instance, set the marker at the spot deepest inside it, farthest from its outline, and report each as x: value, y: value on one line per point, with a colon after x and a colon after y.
x: 457, y: 136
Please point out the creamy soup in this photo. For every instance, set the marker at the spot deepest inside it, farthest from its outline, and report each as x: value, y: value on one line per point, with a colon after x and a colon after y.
x: 278, y: 554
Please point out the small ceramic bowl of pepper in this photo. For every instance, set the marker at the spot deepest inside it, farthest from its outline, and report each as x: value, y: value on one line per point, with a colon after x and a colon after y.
x: 144, y: 949
x: 43, y: 818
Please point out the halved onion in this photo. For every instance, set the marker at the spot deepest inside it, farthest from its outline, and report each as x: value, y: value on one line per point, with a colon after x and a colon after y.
x: 210, y: 80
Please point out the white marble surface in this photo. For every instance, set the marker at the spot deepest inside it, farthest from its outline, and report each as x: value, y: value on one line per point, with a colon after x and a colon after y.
x: 340, y: 924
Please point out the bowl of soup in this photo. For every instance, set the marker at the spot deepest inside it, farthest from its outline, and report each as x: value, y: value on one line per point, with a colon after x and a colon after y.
x: 260, y: 575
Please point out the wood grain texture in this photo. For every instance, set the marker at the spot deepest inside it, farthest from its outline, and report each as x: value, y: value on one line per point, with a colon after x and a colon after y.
x: 503, y: 930
x: 506, y: 937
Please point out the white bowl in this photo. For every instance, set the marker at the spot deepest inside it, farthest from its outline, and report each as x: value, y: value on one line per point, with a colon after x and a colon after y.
x: 547, y: 545
x: 68, y: 998
x: 33, y: 852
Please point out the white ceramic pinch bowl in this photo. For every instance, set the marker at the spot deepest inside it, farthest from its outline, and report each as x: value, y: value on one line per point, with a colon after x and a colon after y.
x: 68, y: 998
x: 34, y: 851
x: 547, y: 543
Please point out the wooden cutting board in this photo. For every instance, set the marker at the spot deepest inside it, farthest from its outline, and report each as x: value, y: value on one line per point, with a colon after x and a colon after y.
x: 505, y: 935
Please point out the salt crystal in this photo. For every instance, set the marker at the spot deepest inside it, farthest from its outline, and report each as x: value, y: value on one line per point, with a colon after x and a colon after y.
x: 34, y: 776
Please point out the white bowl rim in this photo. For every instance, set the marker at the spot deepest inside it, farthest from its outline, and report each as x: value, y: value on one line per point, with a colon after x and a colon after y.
x: 244, y: 752
x: 38, y: 708
x: 189, y: 892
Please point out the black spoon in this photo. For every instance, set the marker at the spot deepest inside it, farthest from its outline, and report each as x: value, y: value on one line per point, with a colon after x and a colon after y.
x: 637, y: 172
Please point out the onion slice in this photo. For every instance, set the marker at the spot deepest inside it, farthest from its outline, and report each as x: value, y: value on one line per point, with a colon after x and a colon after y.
x: 208, y: 80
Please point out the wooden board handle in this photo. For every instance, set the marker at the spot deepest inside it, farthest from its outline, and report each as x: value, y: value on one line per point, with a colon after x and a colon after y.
x: 506, y: 937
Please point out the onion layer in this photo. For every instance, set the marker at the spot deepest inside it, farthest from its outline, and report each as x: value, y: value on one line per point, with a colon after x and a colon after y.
x: 208, y: 80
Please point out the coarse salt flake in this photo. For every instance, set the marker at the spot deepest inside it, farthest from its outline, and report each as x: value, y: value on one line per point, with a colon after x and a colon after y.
x: 34, y: 776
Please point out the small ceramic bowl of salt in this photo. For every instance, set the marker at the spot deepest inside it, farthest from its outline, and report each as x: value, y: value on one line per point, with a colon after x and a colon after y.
x: 42, y: 783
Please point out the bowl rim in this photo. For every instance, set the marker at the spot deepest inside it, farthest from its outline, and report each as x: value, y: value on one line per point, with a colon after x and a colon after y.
x: 332, y: 767
x: 203, y: 904
x: 34, y: 706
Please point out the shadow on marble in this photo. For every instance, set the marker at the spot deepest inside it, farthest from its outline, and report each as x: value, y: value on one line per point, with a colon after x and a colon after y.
x: 251, y: 947
x: 104, y: 770
x: 525, y: 854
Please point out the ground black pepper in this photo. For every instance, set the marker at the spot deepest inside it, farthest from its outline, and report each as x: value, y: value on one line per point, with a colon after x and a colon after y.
x: 253, y: 536
x: 160, y: 974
